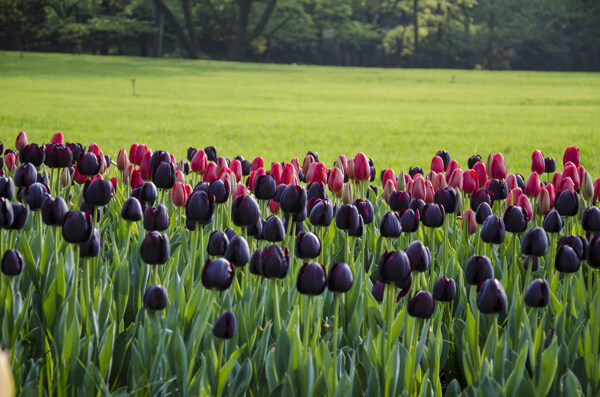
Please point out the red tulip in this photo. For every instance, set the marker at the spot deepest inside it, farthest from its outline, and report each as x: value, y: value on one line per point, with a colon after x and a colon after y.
x: 136, y: 179
x: 276, y: 172
x: 78, y: 177
x: 179, y: 195
x: 437, y: 164
x: 513, y: 196
x: 10, y: 160
x: 596, y: 189
x: 469, y: 218
x: 533, y: 184
x: 581, y: 171
x: 479, y: 169
x: 145, y: 170
x: 274, y: 206
x: 566, y: 183
x: 257, y: 163
x: 388, y: 174
x: 173, y: 159
x: 179, y: 176
x: 524, y: 203
x: 511, y: 181
x: 132, y: 153
x: 336, y: 180
x: 21, y: 140
x: 127, y: 173
x: 388, y: 189
x: 122, y: 160
x: 350, y: 169
x: 211, y: 172
x: 538, y: 163
x: 453, y: 165
x: 240, y: 190
x: 418, y: 187
x: 199, y: 162
x: 140, y: 150
x: 253, y: 175
x: 571, y: 172
x: 429, y: 192
x: 236, y: 168
x: 292, y: 180
x: 497, y: 166
x: 572, y: 155
x: 319, y: 174
x: 543, y: 202
x: 113, y: 181
x: 221, y: 162
x: 556, y: 179
x: 456, y: 179
x: 437, y: 179
x: 288, y: 171
x: 342, y: 164
x: 296, y: 163
x: 57, y: 138
x: 362, y: 170
x: 308, y: 160
x: 470, y: 181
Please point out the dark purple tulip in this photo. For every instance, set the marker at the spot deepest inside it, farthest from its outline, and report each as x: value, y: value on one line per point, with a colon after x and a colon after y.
x: 265, y: 187
x: 6, y: 213
x: 491, y: 297
x: 163, y: 175
x: 191, y: 152
x: 159, y: 157
x: 594, y: 252
x: 217, y: 274
x: 390, y: 225
x: 393, y: 267
x: 201, y: 187
x: 590, y: 220
x: 417, y: 205
x: 433, y: 215
x: 347, y: 217
x: 358, y: 232
x: 25, y: 175
x: 146, y: 193
x: 225, y: 326
x: 42, y: 178
x: 156, y: 218
x: 378, y: 290
x: 246, y: 167
x: 53, y: 210
x: 77, y: 149
x: 217, y: 243
x: 211, y: 153
x: 256, y: 263
x: 77, y: 227
x: 278, y: 192
x: 419, y: 255
x: 567, y: 203
x: 322, y: 213
x: 58, y: 156
x: 535, y: 242
x: 412, y: 171
x: 473, y: 160
x: 340, y: 278
x: 273, y: 229
x: 156, y: 298
x: 155, y: 249
x: 316, y: 190
x: 520, y: 181
x: 97, y: 192
x: 89, y: 164
x: 200, y: 207
x: 230, y: 233
x: 91, y: 248
x: 549, y: 165
x: 515, y: 219
x: 538, y: 293
x: 479, y: 269
x: 275, y: 262
x: 20, y: 215
x: 444, y: 289
x: 372, y: 190
x: 256, y: 230
x: 578, y: 243
x: 445, y: 156
x: 567, y: 259
x: 244, y: 211
x: 7, y: 188
x: 551, y: 335
x: 421, y: 305
x: 220, y: 190
x: 34, y: 195
x: 311, y: 279
x: 131, y: 210
x: 12, y: 263
x: 293, y: 199
x: 308, y: 245
x: 33, y: 154
x: 409, y: 220
x: 534, y: 261
x: 481, y: 196
x: 448, y: 198
x: 399, y: 200
x: 365, y: 210
x: 553, y: 222
x: 498, y: 188
x: 492, y: 231
x: 237, y: 251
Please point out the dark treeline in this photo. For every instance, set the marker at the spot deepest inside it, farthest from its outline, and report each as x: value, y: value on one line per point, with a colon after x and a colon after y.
x: 490, y: 34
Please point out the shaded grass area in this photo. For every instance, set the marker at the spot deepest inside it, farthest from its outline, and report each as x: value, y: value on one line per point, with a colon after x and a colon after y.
x: 400, y: 117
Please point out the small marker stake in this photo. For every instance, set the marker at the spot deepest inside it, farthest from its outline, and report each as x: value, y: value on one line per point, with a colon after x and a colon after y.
x: 133, y: 86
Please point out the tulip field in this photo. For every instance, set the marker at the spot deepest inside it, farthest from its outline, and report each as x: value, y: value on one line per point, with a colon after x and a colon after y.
x: 190, y: 265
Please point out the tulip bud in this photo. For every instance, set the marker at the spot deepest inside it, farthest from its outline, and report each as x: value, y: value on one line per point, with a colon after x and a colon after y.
x: 155, y: 249
x: 156, y: 218
x: 199, y: 162
x: 77, y: 227
x: 468, y: 222
x: 549, y: 165
x: 433, y: 215
x: 25, y: 175
x: 498, y: 188
x: 572, y: 155
x: 293, y: 199
x: 131, y: 210
x: 308, y: 245
x: 346, y: 217
x: 590, y: 220
x: 553, y: 222
x: 437, y: 164
x: 421, y: 305
x: 394, y: 267
x: 238, y: 252
x: 538, y: 162
x: 448, y: 198
x: 122, y: 160
x: 419, y: 256
x: 594, y: 252
x: 275, y: 262
x: 156, y: 298
x: 225, y: 326
x: 515, y: 219
x: 492, y: 230
x: 340, y: 278
x: 491, y: 297
x: 567, y: 259
x: 97, y: 192
x: 200, y: 208
x: 587, y: 186
x: 21, y: 140
x: 444, y: 289
x: 336, y: 180
x: 362, y: 171
x: 12, y: 263
x: 53, y: 210
x: 567, y: 203
x: 538, y: 293
x: 535, y: 242
x: 7, y: 188
x: 179, y: 194
x: 322, y: 213
x: 311, y: 279
x: 481, y: 196
x: 244, y: 211
x: 533, y: 184
x: 543, y: 203
x: 92, y: 247
x: 402, y: 180
x: 571, y: 172
x: 10, y: 161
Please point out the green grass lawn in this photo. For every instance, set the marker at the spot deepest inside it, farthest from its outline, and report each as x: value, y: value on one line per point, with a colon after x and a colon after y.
x: 399, y: 117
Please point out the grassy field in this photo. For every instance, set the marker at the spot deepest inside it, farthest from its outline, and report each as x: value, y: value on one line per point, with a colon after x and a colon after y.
x: 399, y: 117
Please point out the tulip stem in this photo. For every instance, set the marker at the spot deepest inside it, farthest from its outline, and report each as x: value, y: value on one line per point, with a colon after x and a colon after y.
x: 336, y: 314
x: 219, y: 360
x: 307, y: 304
x: 193, y: 255
x: 275, y: 293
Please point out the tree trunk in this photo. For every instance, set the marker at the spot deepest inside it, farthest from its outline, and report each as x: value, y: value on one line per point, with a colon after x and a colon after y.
x: 241, y: 38
x: 144, y: 44
x: 172, y: 20
x: 416, y: 25
x: 189, y: 21
x: 159, y: 34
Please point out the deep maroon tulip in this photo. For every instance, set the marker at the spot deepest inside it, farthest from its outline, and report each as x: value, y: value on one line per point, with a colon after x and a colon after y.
x: 473, y: 160
x: 567, y: 259
x: 535, y: 242
x: 549, y: 165
x: 200, y: 208
x: 593, y: 254
x: 578, y: 243
x: 445, y: 156
x: 275, y: 262
x: 217, y: 274
x: 217, y: 243
x: 273, y: 229
x: 6, y: 213
x: 20, y: 215
x: 159, y: 157
x: 77, y: 227
x: 479, y: 269
x: 293, y: 199
x: 378, y: 291
x: 347, y: 217
x: 91, y: 248
x: 491, y: 297
x: 492, y: 230
x: 590, y: 220
x: 534, y: 261
x: 448, y: 198
x: 155, y: 249
x: 311, y: 279
x: 515, y: 219
x: 419, y: 255
x: 321, y: 214
x: 409, y: 220
x: 131, y: 210
x: 483, y: 211
x: 58, y: 156
x: 12, y: 263
x: 399, y: 200
x: 412, y: 171
x: 89, y: 164
x: 265, y: 187
x: 163, y: 175
x: 340, y: 278
x: 444, y: 289
x: 481, y: 196
x: 33, y: 154
x: 53, y: 210
x: 365, y: 210
x: 360, y: 229
x: 433, y: 215
x: 394, y: 267
x: 553, y: 222
x: 538, y: 293
x: 25, y: 175
x: 421, y: 305
x: 308, y: 245
x: 566, y: 203
x: 245, y: 211
x: 34, y: 195
x: 498, y: 188
x: 77, y: 149
x: 146, y: 193
x: 156, y: 218
x: 225, y: 326
x: 156, y: 298
x: 390, y: 225
x: 97, y: 192
x: 7, y: 188
x: 238, y: 252
x: 220, y: 190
